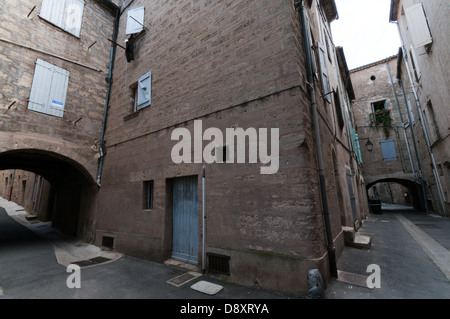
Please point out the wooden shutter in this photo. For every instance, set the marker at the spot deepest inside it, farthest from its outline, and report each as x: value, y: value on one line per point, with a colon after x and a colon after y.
x: 324, y: 72
x: 144, y: 91
x: 414, y: 63
x: 49, y: 89
x: 388, y: 149
x: 73, y: 16
x: 418, y: 25
x: 135, y: 20
x: 66, y: 14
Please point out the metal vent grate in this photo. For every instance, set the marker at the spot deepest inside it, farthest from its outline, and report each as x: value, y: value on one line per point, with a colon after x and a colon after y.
x: 218, y: 263
x: 108, y: 242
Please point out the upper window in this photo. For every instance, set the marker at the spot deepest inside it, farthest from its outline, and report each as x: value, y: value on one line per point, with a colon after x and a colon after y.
x: 144, y: 92
x: 326, y: 90
x: 135, y: 21
x: 388, y: 150
x: 65, y: 14
x: 418, y: 25
x: 49, y: 89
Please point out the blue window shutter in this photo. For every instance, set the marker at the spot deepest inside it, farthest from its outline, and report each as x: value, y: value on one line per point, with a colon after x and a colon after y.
x: 144, y: 94
x: 49, y: 89
x: 388, y: 149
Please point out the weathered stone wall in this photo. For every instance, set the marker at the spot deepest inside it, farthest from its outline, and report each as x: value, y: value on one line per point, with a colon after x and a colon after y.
x: 39, y: 142
x: 230, y: 64
x: 78, y: 131
x: 373, y: 83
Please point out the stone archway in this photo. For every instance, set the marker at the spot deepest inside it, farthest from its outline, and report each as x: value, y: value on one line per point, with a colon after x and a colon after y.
x: 73, y: 189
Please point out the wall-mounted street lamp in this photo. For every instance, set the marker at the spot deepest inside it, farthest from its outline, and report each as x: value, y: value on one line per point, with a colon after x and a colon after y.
x: 369, y: 146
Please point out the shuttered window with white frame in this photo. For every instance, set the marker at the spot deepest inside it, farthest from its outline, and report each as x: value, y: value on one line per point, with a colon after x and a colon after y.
x: 65, y: 14
x: 49, y: 89
x: 418, y: 25
x: 135, y: 20
x: 144, y: 91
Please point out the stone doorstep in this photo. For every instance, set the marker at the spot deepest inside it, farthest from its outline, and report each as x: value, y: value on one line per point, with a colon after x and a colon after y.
x: 356, y: 240
x: 362, y: 241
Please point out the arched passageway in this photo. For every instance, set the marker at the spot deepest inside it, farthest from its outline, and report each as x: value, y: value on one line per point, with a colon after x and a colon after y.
x: 397, y: 191
x: 70, y: 192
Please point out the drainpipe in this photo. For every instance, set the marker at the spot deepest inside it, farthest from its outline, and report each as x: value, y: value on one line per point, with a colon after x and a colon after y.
x: 425, y: 131
x: 401, y: 120
x: 109, y: 80
x: 413, y: 140
x: 311, y: 90
x: 204, y: 219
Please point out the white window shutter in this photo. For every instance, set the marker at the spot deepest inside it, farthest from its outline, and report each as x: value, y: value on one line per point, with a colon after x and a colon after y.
x: 73, y: 16
x: 415, y: 63
x: 324, y: 72
x: 135, y: 21
x: 49, y: 89
x: 144, y: 91
x: 40, y: 88
x: 418, y: 25
x: 65, y: 14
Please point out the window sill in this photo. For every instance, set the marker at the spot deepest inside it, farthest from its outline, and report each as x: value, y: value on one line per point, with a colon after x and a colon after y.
x: 131, y: 115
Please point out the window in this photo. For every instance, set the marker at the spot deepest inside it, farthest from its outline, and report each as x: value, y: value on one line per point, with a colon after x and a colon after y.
x: 135, y: 21
x: 65, y: 14
x: 147, y: 195
x: 337, y: 105
x: 327, y: 45
x: 49, y: 89
x: 144, y: 92
x: 418, y: 25
x: 378, y: 106
x: 415, y: 66
x: 326, y: 91
x: 388, y: 149
x: 436, y: 134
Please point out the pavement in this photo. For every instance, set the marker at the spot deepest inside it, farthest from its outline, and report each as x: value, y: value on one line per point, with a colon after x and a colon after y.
x: 410, y: 251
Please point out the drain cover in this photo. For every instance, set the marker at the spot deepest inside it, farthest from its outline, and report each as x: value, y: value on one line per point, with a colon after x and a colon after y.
x: 91, y: 262
x: 207, y: 287
x: 184, y: 278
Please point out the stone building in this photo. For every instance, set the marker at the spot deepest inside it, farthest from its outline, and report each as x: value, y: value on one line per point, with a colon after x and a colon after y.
x: 236, y: 67
x: 31, y: 191
x: 392, y: 163
x: 424, y: 77
x: 229, y: 142
x: 55, y: 56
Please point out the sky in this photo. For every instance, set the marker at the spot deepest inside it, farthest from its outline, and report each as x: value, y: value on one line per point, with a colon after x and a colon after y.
x: 364, y: 31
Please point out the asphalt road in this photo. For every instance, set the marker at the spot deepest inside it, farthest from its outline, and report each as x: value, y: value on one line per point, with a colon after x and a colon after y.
x: 31, y: 267
x: 412, y: 252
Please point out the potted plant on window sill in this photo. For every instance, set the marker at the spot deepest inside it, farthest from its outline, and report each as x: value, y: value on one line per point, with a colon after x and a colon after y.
x: 382, y: 117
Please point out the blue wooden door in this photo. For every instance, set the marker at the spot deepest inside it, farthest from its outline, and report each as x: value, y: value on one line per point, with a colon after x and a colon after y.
x: 185, y: 220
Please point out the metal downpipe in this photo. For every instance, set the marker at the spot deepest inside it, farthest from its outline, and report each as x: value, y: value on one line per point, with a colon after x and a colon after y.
x: 311, y: 89
x: 413, y: 140
x: 109, y: 79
